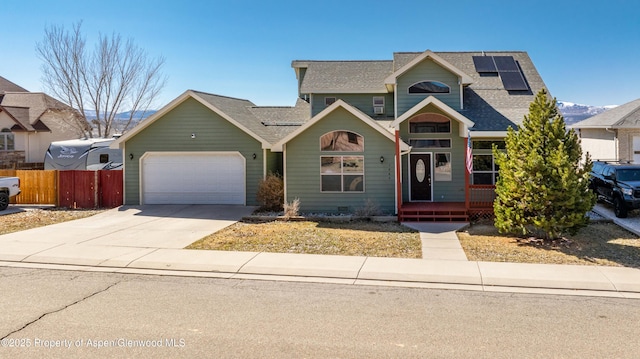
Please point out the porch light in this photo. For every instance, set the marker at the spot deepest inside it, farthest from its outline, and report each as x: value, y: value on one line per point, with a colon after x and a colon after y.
x: 381, y: 159
x: 254, y: 156
x: 131, y: 156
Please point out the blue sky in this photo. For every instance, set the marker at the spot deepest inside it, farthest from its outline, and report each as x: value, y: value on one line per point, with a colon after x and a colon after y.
x: 587, y: 52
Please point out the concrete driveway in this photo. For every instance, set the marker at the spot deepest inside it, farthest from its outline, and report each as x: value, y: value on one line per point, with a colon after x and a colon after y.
x: 631, y: 223
x: 127, y: 230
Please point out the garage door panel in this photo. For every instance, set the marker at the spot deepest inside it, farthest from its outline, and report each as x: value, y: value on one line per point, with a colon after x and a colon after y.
x: 194, y: 178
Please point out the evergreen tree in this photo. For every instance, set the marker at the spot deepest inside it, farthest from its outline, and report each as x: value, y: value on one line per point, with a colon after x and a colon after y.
x: 542, y: 187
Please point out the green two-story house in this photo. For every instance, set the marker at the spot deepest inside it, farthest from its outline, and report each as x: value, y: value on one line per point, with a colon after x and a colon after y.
x: 412, y: 134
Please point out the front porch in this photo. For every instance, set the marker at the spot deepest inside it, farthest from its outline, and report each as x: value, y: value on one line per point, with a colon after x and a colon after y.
x: 480, y: 205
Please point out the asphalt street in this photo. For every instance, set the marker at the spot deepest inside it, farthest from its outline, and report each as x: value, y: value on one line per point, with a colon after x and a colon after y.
x: 63, y: 314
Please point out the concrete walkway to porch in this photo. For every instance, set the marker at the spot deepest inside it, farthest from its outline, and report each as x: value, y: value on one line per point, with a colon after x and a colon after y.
x: 439, y: 240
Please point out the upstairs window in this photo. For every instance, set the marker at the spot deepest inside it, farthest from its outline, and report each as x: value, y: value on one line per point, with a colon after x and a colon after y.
x: 7, y: 142
x: 427, y: 87
x: 429, y: 123
x: 328, y: 101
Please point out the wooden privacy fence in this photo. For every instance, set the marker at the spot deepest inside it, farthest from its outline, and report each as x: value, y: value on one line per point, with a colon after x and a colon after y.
x: 73, y: 189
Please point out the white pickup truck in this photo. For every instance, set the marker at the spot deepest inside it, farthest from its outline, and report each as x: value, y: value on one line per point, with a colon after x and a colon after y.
x: 9, y: 187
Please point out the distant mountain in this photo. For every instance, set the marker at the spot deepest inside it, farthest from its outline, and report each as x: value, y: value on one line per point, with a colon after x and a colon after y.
x: 573, y: 112
x: 137, y: 115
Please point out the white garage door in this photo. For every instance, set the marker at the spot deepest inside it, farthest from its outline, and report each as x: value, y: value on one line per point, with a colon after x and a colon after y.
x: 193, y: 178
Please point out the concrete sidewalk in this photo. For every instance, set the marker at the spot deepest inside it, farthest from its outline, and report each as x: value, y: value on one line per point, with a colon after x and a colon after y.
x: 146, y: 250
x: 451, y: 274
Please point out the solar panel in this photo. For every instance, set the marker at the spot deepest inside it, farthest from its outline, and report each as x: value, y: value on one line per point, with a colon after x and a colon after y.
x: 505, y: 63
x: 484, y: 64
x: 513, y: 81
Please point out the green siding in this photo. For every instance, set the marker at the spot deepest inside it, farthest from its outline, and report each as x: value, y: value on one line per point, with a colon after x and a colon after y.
x: 302, y: 156
x: 172, y: 133
x: 274, y: 162
x: 427, y: 70
x: 443, y: 191
x: 363, y: 102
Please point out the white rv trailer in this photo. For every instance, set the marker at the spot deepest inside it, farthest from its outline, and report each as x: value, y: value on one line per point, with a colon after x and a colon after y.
x: 85, y: 154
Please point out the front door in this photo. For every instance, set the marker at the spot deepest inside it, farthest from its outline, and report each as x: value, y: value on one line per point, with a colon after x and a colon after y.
x: 420, y: 177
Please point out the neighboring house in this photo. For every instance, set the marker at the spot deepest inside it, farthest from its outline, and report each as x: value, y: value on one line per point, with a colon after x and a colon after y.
x: 29, y: 122
x: 613, y: 135
x: 393, y: 132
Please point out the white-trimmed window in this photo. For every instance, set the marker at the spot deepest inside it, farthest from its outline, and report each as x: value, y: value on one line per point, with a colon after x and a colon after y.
x: 429, y: 87
x: 442, y: 166
x: 7, y: 140
x: 378, y: 105
x: 485, y: 170
x: 328, y: 101
x: 425, y: 143
x: 429, y: 123
x: 342, y: 173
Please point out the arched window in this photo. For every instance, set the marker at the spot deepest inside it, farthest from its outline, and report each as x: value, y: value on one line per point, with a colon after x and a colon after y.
x: 342, y: 141
x: 7, y: 142
x: 429, y: 123
x: 429, y: 87
x: 341, y: 172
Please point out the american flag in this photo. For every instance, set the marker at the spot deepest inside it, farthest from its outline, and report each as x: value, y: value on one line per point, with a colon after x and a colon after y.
x: 469, y: 159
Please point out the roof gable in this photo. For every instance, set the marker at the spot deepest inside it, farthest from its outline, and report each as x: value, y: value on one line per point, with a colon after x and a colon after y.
x: 441, y: 106
x: 212, y: 102
x: 623, y: 116
x: 464, y: 78
x: 278, y: 147
x: 20, y: 115
x: 27, y: 108
x: 8, y: 86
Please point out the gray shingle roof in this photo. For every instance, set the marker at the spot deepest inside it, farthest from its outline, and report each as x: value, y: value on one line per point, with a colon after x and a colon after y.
x: 345, y: 76
x: 20, y: 114
x: 486, y: 102
x: 8, y: 86
x: 28, y: 107
x: 269, y: 123
x: 281, y: 121
x: 623, y: 116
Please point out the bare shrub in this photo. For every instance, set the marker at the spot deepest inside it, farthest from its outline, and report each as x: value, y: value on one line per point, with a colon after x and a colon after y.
x: 271, y: 193
x: 369, y: 209
x: 292, y: 209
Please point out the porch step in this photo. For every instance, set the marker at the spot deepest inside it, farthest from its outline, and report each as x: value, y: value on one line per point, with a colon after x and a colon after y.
x: 433, y: 216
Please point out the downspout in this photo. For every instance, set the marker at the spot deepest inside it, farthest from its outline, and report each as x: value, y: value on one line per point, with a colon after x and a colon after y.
x: 264, y: 163
x: 284, y: 170
x: 467, y: 174
x: 398, y: 177
x: 615, y: 142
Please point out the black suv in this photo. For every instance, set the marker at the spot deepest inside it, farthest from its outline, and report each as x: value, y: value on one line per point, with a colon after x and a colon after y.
x: 618, y: 184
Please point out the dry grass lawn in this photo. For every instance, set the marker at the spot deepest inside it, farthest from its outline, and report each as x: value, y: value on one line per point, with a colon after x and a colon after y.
x: 40, y: 217
x: 598, y: 244
x: 358, y: 238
